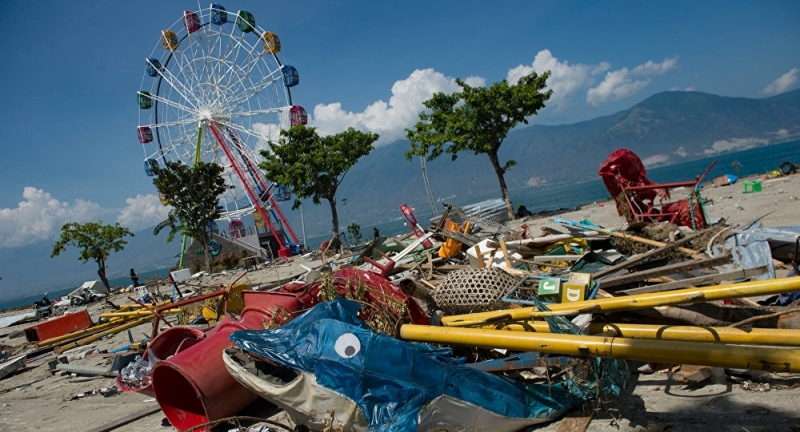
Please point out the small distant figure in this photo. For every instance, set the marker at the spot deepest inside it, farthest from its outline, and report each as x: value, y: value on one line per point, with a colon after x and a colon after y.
x: 522, y: 212
x: 375, y: 232
x: 134, y: 278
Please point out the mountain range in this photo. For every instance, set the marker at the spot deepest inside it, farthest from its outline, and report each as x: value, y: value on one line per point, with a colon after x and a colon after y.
x: 666, y: 128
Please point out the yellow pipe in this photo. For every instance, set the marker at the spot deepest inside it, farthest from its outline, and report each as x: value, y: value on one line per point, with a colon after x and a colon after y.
x: 729, y: 335
x: 640, y: 301
x: 92, y: 338
x: 97, y: 328
x: 134, y: 314
x: 696, y: 353
x: 127, y: 307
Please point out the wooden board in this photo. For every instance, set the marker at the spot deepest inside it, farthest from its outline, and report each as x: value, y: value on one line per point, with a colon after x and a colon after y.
x: 641, y: 257
x: 685, y: 283
x: 575, y: 424
x: 665, y: 270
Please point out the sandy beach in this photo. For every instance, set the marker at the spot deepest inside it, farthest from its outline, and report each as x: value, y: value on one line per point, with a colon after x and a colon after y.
x: 33, y: 399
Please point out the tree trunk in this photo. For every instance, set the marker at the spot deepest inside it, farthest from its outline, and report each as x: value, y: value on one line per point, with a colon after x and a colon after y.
x: 207, y: 253
x: 501, y: 178
x: 101, y: 271
x: 335, y: 220
x: 207, y: 256
x: 334, y: 215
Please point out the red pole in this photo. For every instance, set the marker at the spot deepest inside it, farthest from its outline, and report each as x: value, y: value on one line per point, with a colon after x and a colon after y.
x: 263, y: 186
x: 283, y: 250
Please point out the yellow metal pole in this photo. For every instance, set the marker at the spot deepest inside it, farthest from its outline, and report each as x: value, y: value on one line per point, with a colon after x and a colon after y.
x: 134, y: 306
x: 640, y: 301
x: 92, y: 338
x: 134, y: 314
x: 729, y: 335
x: 696, y: 353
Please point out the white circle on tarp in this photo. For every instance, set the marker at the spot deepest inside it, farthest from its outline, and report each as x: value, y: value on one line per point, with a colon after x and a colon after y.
x: 347, y: 345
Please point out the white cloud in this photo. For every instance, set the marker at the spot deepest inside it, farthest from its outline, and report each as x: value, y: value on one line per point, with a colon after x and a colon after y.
x: 780, y: 85
x: 565, y: 79
x: 734, y: 144
x: 266, y: 132
x: 681, y: 152
x: 389, y: 120
x: 142, y: 211
x: 475, y: 81
x: 650, y: 68
x: 40, y: 216
x: 782, y: 133
x: 622, y: 83
x: 655, y: 160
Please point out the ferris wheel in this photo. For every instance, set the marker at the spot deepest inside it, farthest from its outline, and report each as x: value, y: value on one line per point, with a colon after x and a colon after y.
x: 214, y: 90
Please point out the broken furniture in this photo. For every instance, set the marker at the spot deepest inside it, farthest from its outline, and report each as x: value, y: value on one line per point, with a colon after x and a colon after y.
x: 626, y: 179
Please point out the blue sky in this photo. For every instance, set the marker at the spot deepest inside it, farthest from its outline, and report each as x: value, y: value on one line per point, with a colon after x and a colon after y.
x: 71, y: 71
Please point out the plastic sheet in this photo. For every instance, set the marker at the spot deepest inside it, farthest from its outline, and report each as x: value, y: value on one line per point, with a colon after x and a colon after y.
x: 750, y: 249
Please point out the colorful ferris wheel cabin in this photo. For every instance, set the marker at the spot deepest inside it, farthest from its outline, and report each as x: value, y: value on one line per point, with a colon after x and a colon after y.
x: 245, y: 21
x: 236, y: 228
x: 191, y: 22
x: 297, y: 115
x: 272, y: 43
x: 218, y: 14
x: 145, y: 134
x: 169, y: 40
x: 153, y: 67
x: 150, y: 165
x: 281, y: 193
x: 212, y: 228
x: 290, y: 76
x: 144, y: 99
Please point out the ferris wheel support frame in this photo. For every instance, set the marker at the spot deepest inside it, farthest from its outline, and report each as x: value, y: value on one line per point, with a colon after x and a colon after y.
x: 283, y: 250
x: 267, y: 190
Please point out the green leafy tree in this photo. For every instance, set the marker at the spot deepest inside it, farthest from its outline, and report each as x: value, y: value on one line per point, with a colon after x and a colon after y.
x: 192, y: 192
x: 477, y: 119
x: 313, y: 166
x: 95, y: 241
x: 355, y: 232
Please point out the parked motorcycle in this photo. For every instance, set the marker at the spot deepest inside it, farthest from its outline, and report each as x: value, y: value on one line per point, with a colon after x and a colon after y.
x: 44, y: 306
x: 85, y: 297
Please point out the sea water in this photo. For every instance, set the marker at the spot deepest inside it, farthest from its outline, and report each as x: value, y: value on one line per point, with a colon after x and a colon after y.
x: 540, y: 199
x: 123, y: 281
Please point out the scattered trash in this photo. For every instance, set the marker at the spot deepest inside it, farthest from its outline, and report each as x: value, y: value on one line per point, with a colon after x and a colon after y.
x: 103, y: 391
x: 137, y: 373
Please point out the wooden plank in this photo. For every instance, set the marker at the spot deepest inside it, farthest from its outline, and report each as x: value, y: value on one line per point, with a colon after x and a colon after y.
x: 127, y: 419
x: 664, y: 270
x: 505, y: 253
x: 480, y: 256
x: 639, y: 258
x: 685, y: 283
x: 575, y: 423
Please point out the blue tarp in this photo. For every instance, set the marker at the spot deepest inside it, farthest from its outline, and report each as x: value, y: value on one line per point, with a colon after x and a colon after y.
x: 392, y: 380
